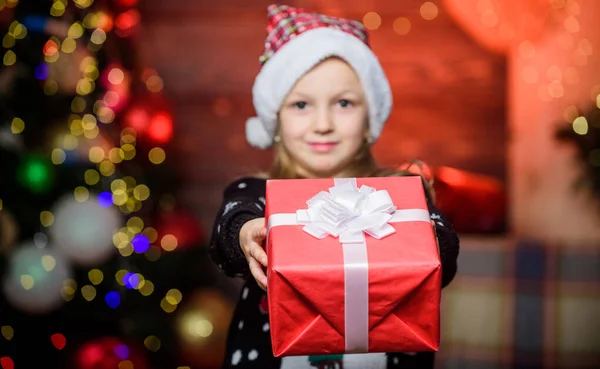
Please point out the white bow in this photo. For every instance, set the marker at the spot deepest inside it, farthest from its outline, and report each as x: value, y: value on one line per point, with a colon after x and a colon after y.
x: 346, y: 212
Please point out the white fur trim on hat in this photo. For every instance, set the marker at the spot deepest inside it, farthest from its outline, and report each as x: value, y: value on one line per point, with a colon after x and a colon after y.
x: 298, y: 56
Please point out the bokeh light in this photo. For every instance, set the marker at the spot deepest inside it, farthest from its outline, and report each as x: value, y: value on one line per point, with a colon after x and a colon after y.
x: 96, y: 276
x: 122, y: 351
x: 88, y: 292
x: 372, y: 20
x: 157, y: 155
x: 46, y: 218
x: 401, y: 26
x: 42, y: 71
x: 17, y: 125
x: 58, y: 340
x: 113, y: 299
x: 152, y: 343
x: 168, y: 242
x: 7, y: 332
x: 161, y: 127
x: 35, y: 173
x: 580, y: 126
x: 147, y: 289
x: 429, y: 10
x: 140, y: 243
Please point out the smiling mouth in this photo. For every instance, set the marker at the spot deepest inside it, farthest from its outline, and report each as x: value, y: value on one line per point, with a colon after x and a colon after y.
x: 322, y: 146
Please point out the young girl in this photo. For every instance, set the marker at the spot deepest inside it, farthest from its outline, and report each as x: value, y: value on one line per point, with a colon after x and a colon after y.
x: 322, y: 99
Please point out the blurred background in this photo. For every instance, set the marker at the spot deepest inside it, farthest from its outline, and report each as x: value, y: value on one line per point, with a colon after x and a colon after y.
x: 121, y: 121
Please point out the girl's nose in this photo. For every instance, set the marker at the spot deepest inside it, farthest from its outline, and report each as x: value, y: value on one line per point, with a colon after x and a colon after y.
x: 323, y: 122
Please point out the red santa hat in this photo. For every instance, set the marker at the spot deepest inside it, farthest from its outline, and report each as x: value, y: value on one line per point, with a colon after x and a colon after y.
x: 297, y: 41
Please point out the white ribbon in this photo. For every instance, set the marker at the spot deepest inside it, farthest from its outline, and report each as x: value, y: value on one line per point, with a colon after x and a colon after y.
x: 347, y: 213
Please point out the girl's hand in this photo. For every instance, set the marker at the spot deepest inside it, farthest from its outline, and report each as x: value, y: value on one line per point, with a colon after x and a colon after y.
x: 252, y: 236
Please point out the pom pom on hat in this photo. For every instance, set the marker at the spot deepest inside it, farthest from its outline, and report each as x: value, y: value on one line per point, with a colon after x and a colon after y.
x: 257, y: 135
x: 297, y: 41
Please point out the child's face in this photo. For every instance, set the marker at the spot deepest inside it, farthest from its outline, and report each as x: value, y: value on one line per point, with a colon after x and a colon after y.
x: 323, y: 121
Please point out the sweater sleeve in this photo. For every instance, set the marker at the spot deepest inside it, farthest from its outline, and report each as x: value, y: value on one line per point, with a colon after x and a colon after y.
x: 243, y: 200
x: 447, y: 240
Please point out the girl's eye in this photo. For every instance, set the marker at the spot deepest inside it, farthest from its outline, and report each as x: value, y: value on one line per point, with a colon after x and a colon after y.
x: 300, y: 105
x: 345, y: 103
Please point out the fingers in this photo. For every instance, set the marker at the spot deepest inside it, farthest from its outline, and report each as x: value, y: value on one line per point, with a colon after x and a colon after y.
x: 259, y: 234
x: 252, y: 236
x: 257, y: 260
x: 257, y: 273
x: 259, y: 254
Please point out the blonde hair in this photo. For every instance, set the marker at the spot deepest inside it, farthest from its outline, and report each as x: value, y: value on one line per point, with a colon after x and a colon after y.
x: 364, y: 165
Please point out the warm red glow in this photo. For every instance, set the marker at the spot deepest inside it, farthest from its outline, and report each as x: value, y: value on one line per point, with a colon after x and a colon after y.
x: 161, y: 127
x: 127, y: 3
x: 125, y: 22
x: 458, y: 178
x: 138, y: 119
x: 90, y: 355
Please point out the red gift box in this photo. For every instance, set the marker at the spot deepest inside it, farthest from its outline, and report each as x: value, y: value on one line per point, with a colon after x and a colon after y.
x: 353, y: 266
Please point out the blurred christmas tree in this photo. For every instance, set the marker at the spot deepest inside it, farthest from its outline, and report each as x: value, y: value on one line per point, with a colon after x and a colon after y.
x: 583, y: 132
x: 96, y: 254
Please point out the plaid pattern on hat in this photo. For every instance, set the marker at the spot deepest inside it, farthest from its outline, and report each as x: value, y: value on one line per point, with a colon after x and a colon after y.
x: 522, y: 304
x: 286, y: 22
